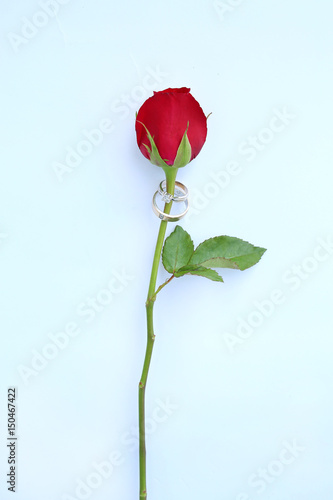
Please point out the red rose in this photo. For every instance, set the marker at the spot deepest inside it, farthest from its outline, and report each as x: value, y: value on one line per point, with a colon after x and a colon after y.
x: 171, y: 128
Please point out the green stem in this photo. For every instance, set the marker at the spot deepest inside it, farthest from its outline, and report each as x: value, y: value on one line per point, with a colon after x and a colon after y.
x: 164, y: 284
x: 171, y: 174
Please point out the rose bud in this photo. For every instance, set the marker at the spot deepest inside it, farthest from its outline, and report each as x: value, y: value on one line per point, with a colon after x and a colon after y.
x: 171, y: 128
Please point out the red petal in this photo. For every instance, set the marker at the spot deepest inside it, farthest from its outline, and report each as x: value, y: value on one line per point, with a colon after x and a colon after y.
x: 181, y: 90
x: 166, y: 115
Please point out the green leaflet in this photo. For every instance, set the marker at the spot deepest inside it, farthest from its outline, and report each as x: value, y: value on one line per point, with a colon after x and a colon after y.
x: 199, y: 271
x: 226, y: 251
x: 180, y: 258
x: 177, y: 251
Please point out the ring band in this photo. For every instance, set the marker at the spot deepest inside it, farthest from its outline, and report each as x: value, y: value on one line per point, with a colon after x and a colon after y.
x: 167, y: 217
x: 181, y: 194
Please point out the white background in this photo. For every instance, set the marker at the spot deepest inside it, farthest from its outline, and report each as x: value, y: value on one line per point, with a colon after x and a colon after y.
x: 238, y: 396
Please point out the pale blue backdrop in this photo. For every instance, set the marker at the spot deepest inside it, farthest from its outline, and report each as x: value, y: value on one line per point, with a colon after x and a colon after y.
x: 239, y: 402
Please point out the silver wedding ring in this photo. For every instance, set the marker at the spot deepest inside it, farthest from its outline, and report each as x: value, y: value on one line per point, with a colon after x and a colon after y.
x: 180, y: 195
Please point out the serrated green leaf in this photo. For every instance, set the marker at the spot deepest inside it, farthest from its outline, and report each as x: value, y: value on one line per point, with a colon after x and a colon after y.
x: 199, y: 271
x: 177, y: 251
x: 226, y: 251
